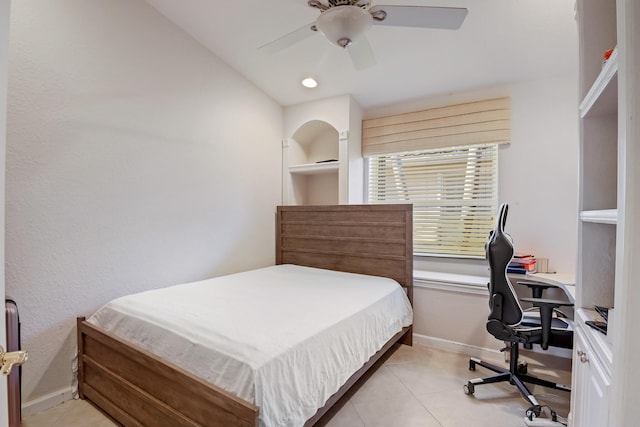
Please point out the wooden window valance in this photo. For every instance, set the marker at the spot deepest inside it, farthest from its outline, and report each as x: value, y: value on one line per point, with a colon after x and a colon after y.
x: 451, y: 126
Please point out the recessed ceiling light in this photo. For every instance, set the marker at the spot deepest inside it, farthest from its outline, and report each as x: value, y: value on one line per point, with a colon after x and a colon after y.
x: 309, y: 82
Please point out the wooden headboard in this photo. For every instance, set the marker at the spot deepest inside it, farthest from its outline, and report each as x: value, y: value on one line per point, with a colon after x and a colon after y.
x: 366, y: 239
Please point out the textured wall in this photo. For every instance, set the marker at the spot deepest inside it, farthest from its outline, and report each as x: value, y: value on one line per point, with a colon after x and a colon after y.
x: 135, y: 160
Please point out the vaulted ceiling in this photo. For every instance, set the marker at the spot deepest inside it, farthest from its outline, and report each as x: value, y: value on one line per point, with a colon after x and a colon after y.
x: 500, y: 41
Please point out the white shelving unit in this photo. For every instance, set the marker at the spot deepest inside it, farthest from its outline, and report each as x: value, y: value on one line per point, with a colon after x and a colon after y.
x: 605, y: 380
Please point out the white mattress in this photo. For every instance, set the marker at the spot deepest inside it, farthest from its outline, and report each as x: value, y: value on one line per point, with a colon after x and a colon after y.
x: 284, y: 337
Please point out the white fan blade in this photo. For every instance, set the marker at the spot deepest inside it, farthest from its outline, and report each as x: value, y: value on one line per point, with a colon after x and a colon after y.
x: 446, y: 18
x: 289, y: 39
x: 361, y: 54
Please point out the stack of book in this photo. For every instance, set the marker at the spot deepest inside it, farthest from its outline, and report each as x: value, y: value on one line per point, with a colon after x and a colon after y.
x: 522, y: 264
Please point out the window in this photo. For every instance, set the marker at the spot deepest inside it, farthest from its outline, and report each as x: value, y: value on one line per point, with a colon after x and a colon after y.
x: 453, y: 191
x: 444, y: 161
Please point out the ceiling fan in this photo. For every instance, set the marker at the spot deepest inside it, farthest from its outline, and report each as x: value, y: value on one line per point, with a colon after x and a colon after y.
x: 345, y: 22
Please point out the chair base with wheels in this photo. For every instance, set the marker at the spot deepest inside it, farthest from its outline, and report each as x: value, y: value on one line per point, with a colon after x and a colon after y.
x: 515, y: 375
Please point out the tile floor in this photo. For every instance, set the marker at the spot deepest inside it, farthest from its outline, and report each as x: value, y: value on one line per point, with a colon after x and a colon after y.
x: 415, y: 386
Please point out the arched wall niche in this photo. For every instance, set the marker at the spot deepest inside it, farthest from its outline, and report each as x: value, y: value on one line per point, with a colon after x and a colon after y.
x: 313, y: 158
x: 321, y: 153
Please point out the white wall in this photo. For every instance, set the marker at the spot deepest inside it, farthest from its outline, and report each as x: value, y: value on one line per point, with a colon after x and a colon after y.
x: 135, y: 160
x: 539, y: 171
x: 334, y: 111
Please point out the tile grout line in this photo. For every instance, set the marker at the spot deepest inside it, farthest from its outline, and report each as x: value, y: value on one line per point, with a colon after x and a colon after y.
x: 415, y: 397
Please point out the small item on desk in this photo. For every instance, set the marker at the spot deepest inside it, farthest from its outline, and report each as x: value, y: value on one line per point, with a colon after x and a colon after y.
x: 598, y: 326
x: 525, y: 260
x: 522, y: 257
x: 529, y: 266
x: 602, y: 311
x: 516, y: 269
x: 542, y: 265
x: 606, y: 56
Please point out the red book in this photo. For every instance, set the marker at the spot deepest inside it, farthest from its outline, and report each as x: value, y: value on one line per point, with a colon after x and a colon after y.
x: 528, y: 265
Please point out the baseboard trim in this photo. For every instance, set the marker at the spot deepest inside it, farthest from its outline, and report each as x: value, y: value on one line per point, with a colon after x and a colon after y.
x: 457, y: 347
x: 47, y: 401
x: 555, y: 358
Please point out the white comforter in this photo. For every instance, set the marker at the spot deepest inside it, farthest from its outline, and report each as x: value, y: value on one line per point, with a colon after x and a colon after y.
x: 284, y: 337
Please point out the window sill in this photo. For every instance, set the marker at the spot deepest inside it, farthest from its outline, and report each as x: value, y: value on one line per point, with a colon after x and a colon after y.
x: 462, y: 283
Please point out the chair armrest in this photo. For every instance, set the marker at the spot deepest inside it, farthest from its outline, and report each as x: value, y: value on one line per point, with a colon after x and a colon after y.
x: 546, y: 307
x: 536, y: 287
x: 537, y: 302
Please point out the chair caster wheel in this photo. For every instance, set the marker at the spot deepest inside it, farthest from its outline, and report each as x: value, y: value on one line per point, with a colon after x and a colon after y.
x: 469, y: 388
x: 472, y: 365
x: 522, y: 368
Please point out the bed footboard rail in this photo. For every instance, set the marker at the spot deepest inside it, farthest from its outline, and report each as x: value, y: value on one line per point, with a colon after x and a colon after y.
x: 137, y: 388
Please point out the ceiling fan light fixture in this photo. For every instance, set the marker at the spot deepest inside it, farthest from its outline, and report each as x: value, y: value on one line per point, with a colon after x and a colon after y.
x: 343, y: 25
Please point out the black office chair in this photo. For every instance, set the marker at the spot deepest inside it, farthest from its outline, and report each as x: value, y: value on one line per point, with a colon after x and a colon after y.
x: 507, y: 320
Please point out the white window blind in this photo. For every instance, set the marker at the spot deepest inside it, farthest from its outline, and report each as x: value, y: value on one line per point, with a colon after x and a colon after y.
x: 453, y: 191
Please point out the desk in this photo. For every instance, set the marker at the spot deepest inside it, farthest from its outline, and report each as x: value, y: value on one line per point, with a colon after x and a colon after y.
x: 565, y: 281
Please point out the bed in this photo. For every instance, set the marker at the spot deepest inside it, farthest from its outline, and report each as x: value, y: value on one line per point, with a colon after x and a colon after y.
x: 140, y: 385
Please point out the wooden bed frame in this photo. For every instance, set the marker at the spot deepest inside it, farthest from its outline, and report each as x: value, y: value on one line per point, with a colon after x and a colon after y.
x: 137, y: 388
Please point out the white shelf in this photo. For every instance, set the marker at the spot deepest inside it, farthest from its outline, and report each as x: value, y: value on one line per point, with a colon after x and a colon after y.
x: 607, y: 216
x: 602, y: 98
x: 315, y: 168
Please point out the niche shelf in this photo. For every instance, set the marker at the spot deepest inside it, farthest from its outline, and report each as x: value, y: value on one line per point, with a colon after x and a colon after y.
x: 606, y: 216
x: 315, y: 168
